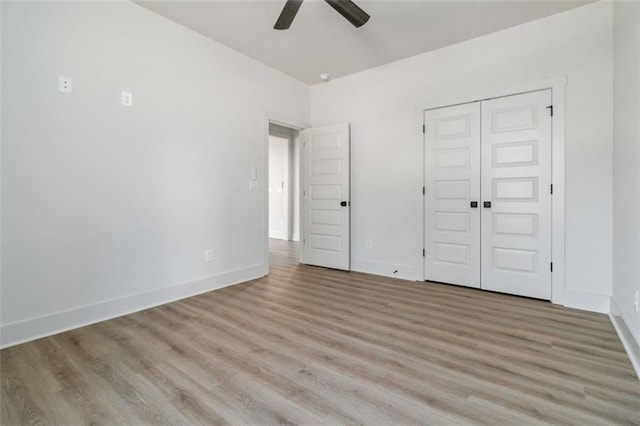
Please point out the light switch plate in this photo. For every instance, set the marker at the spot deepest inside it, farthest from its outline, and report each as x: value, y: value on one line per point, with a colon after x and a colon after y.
x: 127, y: 99
x: 208, y: 255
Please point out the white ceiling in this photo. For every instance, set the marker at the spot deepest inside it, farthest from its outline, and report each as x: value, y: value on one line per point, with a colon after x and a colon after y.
x: 321, y: 41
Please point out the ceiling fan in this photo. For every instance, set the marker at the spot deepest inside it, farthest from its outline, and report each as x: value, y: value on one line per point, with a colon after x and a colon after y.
x: 348, y: 9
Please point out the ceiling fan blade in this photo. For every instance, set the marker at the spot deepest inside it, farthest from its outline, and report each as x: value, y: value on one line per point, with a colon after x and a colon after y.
x: 350, y: 11
x: 288, y: 13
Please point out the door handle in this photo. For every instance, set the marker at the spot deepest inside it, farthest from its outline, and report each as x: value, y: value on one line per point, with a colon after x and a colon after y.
x: 487, y: 204
x: 474, y: 204
x: 345, y: 203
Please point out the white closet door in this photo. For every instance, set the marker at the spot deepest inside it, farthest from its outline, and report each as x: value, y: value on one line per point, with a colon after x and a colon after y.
x: 516, y: 180
x: 325, y: 202
x: 452, y: 183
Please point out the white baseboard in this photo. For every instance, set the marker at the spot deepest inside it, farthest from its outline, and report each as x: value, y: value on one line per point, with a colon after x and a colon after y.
x: 35, y: 328
x: 628, y: 341
x: 387, y: 270
x: 584, y: 301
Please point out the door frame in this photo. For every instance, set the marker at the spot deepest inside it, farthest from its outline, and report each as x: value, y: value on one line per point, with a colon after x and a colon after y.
x: 291, y: 123
x: 558, y: 88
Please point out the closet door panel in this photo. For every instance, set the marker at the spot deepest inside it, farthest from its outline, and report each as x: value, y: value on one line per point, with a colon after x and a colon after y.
x: 516, y: 180
x: 452, y: 182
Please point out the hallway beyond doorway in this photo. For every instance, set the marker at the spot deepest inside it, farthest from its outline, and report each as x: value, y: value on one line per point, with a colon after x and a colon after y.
x: 283, y: 253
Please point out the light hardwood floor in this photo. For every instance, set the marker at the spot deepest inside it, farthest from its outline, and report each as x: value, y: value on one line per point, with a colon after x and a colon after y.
x: 308, y: 345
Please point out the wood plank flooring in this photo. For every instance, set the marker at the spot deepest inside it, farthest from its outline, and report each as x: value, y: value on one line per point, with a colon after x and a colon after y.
x: 308, y: 345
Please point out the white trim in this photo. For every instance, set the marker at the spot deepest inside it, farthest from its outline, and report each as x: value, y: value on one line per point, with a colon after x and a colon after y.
x: 557, y: 85
x: 420, y: 270
x: 384, y: 269
x: 26, y: 330
x: 558, y: 289
x: 630, y: 345
x: 585, y: 301
x: 268, y: 117
x: 497, y: 92
x: 277, y: 132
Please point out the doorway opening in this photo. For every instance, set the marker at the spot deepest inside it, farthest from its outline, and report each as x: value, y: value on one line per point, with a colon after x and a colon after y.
x: 488, y: 203
x: 308, y: 196
x: 283, y: 192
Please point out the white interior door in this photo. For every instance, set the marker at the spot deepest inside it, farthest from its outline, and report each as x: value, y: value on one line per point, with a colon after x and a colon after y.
x: 452, y: 195
x: 325, y: 203
x: 516, y: 182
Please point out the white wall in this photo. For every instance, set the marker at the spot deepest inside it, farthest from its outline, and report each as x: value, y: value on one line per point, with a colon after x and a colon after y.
x: 626, y: 166
x: 386, y: 157
x: 106, y: 209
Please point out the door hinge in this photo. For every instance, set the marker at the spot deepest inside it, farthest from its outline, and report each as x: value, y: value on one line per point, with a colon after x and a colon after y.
x: 552, y: 188
x: 424, y: 128
x: 424, y: 253
x: 424, y: 190
x: 304, y: 241
x: 550, y: 108
x: 551, y: 266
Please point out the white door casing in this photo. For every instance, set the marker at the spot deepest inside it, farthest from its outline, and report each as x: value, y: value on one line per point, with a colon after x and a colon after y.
x: 325, y: 174
x: 452, y: 184
x: 516, y: 180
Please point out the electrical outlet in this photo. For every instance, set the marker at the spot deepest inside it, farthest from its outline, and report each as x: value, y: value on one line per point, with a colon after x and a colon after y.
x: 368, y: 243
x: 65, y: 85
x: 635, y: 300
x: 208, y: 255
